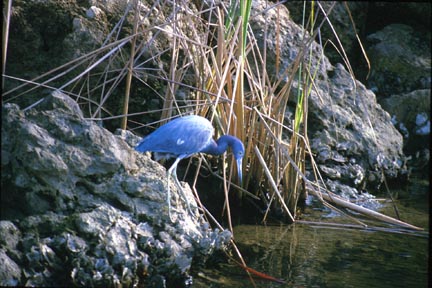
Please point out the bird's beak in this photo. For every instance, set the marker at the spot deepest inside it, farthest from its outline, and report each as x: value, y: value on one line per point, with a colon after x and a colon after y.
x: 239, y: 171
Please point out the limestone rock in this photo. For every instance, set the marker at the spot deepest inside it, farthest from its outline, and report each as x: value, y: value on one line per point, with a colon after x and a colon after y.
x: 91, y: 210
x: 352, y: 137
x: 401, y: 60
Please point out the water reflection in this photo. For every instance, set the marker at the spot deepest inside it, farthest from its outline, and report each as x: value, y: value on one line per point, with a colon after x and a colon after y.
x: 327, y: 255
x: 323, y: 256
x: 314, y: 256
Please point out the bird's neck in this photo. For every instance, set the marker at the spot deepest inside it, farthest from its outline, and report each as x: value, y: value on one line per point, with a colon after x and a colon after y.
x: 219, y: 146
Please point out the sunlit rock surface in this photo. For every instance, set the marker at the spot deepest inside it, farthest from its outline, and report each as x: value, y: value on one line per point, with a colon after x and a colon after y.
x: 353, y: 139
x: 83, y: 208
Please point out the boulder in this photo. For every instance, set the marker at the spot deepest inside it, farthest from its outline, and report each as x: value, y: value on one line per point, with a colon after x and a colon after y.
x: 91, y: 210
x: 352, y: 137
x: 350, y: 132
x: 411, y: 115
x: 400, y: 60
x: 341, y: 23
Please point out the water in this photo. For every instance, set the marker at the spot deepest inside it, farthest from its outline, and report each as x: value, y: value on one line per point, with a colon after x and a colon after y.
x: 320, y: 256
x: 315, y: 255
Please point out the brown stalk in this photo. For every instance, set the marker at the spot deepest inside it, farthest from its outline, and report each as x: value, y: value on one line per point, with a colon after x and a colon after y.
x: 130, y: 70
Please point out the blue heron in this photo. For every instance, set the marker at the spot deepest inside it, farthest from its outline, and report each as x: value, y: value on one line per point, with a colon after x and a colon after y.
x: 184, y: 137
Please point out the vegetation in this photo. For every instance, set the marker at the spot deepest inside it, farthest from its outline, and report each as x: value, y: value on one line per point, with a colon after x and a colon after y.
x: 210, y: 62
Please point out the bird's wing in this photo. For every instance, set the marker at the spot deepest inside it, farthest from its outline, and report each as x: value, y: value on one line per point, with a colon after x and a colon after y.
x: 182, y: 137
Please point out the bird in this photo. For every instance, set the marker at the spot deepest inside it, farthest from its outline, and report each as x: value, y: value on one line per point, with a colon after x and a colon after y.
x: 183, y: 137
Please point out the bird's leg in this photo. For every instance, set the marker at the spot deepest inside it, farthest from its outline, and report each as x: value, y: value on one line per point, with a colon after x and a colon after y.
x: 169, y: 195
x: 181, y: 191
x: 171, y: 171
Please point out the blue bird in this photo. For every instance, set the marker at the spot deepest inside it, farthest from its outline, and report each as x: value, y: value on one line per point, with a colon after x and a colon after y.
x: 184, y: 137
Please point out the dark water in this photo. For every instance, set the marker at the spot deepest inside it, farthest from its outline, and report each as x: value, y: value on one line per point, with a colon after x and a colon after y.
x: 315, y: 255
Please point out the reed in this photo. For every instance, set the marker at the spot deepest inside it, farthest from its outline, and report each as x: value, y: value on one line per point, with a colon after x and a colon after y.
x: 216, y: 68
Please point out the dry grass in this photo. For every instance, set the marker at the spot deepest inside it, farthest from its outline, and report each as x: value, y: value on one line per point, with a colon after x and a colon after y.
x: 217, y: 70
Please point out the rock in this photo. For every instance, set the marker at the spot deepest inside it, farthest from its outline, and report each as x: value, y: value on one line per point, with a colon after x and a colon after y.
x: 93, y: 12
x: 401, y: 60
x: 411, y: 115
x: 352, y: 137
x: 9, y: 235
x: 341, y: 23
x: 39, y: 28
x: 363, y: 199
x: 10, y: 272
x: 352, y: 134
x: 91, y: 210
x: 290, y: 35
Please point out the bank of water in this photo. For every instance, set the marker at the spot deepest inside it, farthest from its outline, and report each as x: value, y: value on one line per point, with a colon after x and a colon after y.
x: 326, y: 255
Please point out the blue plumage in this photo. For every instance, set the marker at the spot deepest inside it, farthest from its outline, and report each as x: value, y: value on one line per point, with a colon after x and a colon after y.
x: 185, y: 136
x: 181, y: 137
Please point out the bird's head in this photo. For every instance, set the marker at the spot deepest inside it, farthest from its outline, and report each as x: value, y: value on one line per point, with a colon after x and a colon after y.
x: 238, y: 151
x: 221, y: 145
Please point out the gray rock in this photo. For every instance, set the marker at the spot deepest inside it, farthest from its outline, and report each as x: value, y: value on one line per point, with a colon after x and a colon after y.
x: 10, y: 272
x: 341, y: 23
x: 9, y: 235
x: 411, y: 115
x: 352, y: 134
x: 401, y: 60
x: 91, y: 210
x: 290, y: 36
x: 93, y: 12
x: 352, y: 137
